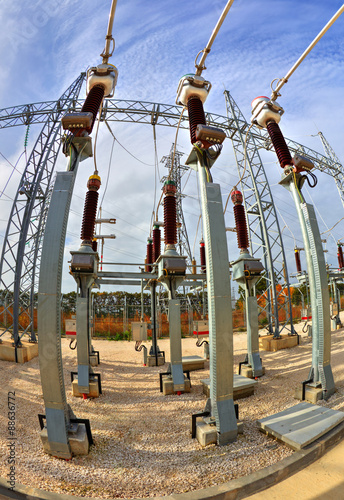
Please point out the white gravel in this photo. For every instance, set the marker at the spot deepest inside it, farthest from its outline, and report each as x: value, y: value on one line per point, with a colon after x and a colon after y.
x: 142, y: 439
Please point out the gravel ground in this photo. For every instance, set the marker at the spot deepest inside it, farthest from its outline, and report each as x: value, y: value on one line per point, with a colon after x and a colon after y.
x: 142, y: 439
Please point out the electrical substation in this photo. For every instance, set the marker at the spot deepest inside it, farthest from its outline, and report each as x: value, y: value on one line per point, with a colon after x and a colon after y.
x: 212, y: 385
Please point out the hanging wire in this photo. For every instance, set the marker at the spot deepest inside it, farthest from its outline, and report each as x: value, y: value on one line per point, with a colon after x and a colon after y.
x: 194, y: 245
x: 156, y: 174
x: 321, y: 217
x: 175, y: 142
x: 200, y: 66
x: 172, y: 163
x: 333, y: 226
x: 244, y: 170
x: 14, y: 168
x: 96, y: 137
x: 282, y: 81
x: 286, y: 225
x: 125, y: 149
x: 108, y: 175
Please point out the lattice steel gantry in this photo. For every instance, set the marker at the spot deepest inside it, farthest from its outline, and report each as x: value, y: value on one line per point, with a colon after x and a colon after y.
x: 23, y: 239
x: 177, y: 171
x: 265, y: 235
x: 114, y: 110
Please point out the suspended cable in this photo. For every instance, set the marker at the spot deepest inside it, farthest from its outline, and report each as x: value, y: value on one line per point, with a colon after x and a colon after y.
x: 244, y: 170
x: 156, y: 174
x: 175, y: 143
x: 194, y: 245
x: 321, y: 217
x: 333, y: 226
x: 96, y: 137
x: 282, y: 81
x: 125, y: 149
x: 285, y: 225
x: 108, y: 174
x: 14, y: 169
x: 200, y: 66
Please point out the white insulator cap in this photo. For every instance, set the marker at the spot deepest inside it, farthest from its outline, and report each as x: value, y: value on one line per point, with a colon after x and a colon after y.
x: 263, y: 111
x: 192, y: 85
x: 104, y: 74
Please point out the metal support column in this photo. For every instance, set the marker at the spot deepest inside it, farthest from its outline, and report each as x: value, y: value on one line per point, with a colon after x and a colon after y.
x: 220, y: 404
x: 176, y: 345
x: 58, y: 413
x: 321, y: 372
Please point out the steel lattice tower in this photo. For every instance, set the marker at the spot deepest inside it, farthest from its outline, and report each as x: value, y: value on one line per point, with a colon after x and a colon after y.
x: 265, y: 236
x: 23, y: 239
x: 339, y: 177
x: 176, y: 173
x: 44, y: 155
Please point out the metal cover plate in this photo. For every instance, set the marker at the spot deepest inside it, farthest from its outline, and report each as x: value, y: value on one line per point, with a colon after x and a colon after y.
x: 301, y: 424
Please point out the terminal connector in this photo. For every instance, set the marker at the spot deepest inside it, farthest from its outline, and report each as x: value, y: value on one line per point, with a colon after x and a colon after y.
x: 192, y: 86
x: 302, y: 164
x: 264, y: 110
x: 77, y: 120
x: 213, y: 135
x: 105, y: 75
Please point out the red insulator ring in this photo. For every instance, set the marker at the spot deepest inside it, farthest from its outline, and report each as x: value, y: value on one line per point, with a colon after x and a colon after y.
x: 236, y: 197
x: 92, y: 103
x: 149, y: 255
x: 340, y: 257
x: 196, y: 116
x: 281, y: 148
x: 241, y: 227
x: 89, y: 216
x: 170, y: 220
x: 202, y: 257
x: 298, y: 261
x: 156, y: 243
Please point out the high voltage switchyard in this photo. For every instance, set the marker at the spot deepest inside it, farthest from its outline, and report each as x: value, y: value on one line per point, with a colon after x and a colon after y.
x: 33, y: 255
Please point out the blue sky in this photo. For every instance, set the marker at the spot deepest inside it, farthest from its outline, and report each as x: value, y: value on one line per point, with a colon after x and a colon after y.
x: 44, y: 45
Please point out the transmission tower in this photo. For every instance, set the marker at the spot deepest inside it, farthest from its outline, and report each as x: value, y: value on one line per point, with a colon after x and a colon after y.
x: 23, y: 239
x: 339, y: 179
x: 176, y: 172
x: 43, y: 158
x: 265, y: 235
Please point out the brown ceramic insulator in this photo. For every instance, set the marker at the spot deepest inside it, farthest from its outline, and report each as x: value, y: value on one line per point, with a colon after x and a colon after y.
x: 241, y: 227
x: 156, y: 243
x: 202, y: 257
x: 89, y: 217
x: 298, y: 261
x: 92, y: 103
x: 281, y: 148
x: 196, y: 116
x: 149, y: 255
x: 94, y: 245
x: 340, y: 257
x: 170, y: 220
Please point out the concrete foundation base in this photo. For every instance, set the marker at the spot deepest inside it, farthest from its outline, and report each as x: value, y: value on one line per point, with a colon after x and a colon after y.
x: 206, y: 434
x: 168, y: 386
x: 268, y: 343
x: 94, y: 390
x: 312, y: 394
x: 151, y: 360
x: 94, y: 360
x: 192, y: 363
x: 301, y: 425
x: 78, y: 441
x: 24, y: 354
x: 246, y: 371
x: 242, y: 387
